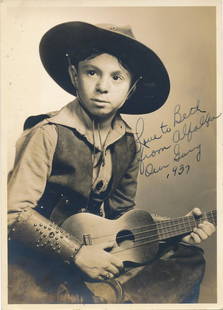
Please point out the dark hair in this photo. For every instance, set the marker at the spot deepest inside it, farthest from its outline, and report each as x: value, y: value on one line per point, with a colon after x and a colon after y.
x: 86, y: 54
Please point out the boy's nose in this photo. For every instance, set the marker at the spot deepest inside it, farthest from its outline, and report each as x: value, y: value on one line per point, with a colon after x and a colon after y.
x: 102, y: 86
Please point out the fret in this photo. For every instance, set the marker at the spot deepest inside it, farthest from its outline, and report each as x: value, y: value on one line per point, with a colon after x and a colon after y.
x: 212, y: 217
x: 191, y: 223
x: 209, y: 216
x: 179, y: 226
x: 165, y: 229
x: 184, y: 226
x: 175, y: 223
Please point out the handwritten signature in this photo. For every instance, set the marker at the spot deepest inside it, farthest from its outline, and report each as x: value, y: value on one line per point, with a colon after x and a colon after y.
x: 178, y: 154
x: 149, y: 169
x: 143, y: 153
x: 179, y: 117
x: 139, y: 133
x: 182, y: 129
x: 188, y: 129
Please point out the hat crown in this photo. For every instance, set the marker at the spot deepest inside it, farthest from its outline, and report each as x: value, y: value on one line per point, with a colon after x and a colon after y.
x: 123, y: 30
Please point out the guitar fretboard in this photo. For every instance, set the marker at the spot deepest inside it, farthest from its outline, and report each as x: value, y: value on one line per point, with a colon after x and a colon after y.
x: 182, y: 225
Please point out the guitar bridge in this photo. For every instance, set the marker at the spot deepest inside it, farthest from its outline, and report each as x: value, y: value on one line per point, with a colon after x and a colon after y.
x: 87, y: 239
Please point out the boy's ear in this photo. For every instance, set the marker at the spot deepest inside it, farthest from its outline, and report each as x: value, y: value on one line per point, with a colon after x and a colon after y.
x: 73, y: 75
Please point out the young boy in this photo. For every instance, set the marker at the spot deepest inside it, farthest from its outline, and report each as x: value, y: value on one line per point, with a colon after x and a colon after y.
x: 83, y: 159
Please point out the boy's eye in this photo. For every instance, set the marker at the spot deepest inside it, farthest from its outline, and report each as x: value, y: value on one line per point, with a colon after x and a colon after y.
x: 117, y: 77
x: 91, y: 72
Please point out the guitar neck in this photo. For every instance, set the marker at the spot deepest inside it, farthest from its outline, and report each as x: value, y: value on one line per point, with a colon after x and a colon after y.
x: 182, y: 225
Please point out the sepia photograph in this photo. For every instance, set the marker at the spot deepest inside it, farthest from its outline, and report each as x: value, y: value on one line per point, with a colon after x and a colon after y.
x: 111, y: 135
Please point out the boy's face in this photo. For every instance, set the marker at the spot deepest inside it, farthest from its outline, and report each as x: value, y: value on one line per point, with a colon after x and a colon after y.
x: 103, y: 85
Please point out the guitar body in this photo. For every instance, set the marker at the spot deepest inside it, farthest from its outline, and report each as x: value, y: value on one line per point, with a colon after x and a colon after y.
x: 129, y: 234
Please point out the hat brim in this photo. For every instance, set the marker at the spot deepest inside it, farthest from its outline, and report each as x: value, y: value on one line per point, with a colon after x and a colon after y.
x: 151, y: 92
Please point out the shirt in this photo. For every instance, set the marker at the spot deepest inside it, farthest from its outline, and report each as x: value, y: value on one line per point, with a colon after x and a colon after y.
x: 35, y: 150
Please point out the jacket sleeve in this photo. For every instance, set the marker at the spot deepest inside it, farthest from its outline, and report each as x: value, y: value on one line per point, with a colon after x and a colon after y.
x: 32, y: 167
x: 122, y: 198
x: 26, y: 185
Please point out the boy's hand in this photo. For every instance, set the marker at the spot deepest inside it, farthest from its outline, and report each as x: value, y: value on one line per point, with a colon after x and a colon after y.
x: 200, y: 233
x: 97, y: 263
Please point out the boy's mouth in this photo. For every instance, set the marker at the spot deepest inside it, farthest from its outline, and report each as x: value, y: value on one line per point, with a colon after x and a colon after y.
x: 100, y: 100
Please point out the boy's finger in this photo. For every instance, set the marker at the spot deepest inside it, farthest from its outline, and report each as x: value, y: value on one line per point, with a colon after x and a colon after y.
x: 195, y: 237
x: 112, y: 269
x: 116, y: 262
x: 201, y: 233
x: 196, y: 211
x: 207, y: 227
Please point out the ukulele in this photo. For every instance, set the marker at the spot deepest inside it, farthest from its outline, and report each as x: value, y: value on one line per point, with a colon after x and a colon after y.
x: 135, y: 237
x: 135, y: 234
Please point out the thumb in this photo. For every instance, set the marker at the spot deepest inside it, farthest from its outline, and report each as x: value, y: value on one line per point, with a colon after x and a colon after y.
x: 195, y: 211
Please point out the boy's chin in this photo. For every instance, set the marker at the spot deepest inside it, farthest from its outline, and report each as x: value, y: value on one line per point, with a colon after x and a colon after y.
x: 103, y: 115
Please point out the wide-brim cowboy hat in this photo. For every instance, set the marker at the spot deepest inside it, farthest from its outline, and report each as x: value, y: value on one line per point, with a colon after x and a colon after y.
x: 70, y: 37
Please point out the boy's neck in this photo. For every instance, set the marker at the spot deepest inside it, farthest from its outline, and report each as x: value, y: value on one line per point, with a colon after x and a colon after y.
x: 104, y: 123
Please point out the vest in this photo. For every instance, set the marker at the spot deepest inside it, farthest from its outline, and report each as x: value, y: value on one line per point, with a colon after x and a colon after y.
x: 68, y: 190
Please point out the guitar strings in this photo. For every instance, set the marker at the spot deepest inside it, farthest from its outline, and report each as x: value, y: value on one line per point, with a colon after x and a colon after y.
x: 155, y: 228
x: 135, y: 246
x: 159, y: 225
x: 154, y: 238
x: 149, y: 241
x: 141, y: 243
x: 158, y: 236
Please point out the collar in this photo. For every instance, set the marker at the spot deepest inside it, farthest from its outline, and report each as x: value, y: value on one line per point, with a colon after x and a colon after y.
x: 72, y: 115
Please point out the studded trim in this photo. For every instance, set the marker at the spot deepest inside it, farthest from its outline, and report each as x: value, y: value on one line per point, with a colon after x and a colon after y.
x: 36, y: 231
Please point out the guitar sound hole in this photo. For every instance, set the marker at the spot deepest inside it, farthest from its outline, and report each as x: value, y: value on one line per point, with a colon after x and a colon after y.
x: 125, y: 238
